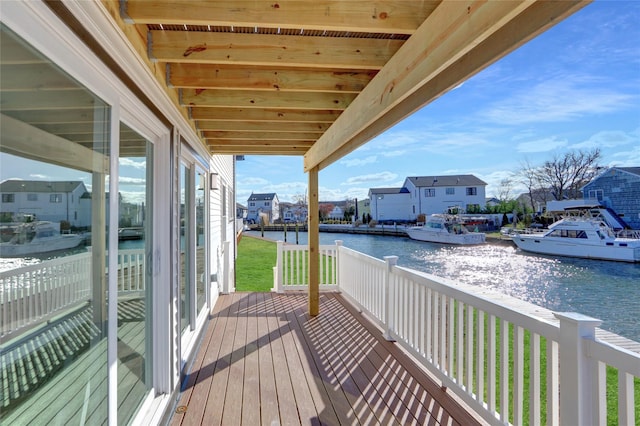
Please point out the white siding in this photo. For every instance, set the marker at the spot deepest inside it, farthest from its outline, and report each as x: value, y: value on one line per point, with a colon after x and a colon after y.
x: 393, y: 207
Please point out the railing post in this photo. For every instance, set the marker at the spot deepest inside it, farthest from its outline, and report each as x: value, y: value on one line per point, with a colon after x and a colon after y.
x: 337, y: 264
x: 577, y: 371
x: 389, y: 302
x: 277, y: 270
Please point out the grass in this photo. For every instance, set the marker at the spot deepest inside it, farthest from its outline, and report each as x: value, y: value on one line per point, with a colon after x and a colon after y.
x: 254, y: 272
x: 254, y: 264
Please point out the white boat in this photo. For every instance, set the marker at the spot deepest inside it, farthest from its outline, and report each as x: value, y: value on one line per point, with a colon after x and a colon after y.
x: 445, y: 229
x: 583, y: 237
x: 38, y: 237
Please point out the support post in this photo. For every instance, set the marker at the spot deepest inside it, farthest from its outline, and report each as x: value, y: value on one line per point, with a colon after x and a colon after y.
x: 389, y: 301
x: 577, y: 371
x: 314, y: 244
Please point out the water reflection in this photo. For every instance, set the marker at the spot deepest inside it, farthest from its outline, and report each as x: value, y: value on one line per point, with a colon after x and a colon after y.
x: 606, y: 290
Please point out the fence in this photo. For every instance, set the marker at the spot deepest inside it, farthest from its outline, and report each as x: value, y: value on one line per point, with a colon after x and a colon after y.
x: 33, y: 294
x: 292, y: 270
x: 491, y: 350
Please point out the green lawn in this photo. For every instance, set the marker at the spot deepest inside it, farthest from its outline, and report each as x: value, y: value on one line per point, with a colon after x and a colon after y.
x: 254, y: 265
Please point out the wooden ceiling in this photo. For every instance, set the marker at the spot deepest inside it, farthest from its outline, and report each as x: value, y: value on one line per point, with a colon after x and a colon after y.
x: 318, y: 78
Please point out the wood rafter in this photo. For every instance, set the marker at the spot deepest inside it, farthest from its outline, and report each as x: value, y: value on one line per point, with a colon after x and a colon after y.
x: 332, y: 74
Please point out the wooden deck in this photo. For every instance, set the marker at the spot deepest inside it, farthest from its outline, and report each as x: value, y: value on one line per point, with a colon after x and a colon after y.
x: 264, y: 361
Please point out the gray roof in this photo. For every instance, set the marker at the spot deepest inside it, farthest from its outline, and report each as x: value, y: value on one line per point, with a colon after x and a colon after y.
x: 453, y: 180
x: 262, y: 197
x: 634, y: 170
x: 17, y: 185
x: 402, y: 190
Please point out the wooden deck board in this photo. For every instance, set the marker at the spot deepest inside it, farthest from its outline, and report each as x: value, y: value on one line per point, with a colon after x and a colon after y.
x: 265, y: 361
x: 200, y: 381
x: 269, y: 413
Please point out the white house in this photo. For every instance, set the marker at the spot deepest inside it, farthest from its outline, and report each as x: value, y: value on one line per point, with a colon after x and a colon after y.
x: 55, y: 201
x: 427, y: 195
x: 390, y: 204
x: 441, y: 194
x: 266, y: 205
x: 337, y: 213
x: 294, y: 212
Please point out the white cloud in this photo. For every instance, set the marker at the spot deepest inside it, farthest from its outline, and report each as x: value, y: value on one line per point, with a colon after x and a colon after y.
x: 541, y: 145
x: 253, y: 181
x: 374, y: 177
x: 127, y: 162
x: 359, y: 161
x: 558, y: 99
x: 607, y: 139
x: 396, y: 153
x: 131, y: 181
x: 38, y: 176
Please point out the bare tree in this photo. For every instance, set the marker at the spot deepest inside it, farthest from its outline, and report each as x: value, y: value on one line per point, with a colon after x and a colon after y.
x: 565, y: 174
x: 561, y: 177
x: 505, y: 188
x: 300, y: 199
x: 530, y: 177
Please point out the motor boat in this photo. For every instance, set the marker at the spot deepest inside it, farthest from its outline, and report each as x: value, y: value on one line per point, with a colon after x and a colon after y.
x: 38, y: 237
x: 446, y: 229
x: 584, y: 237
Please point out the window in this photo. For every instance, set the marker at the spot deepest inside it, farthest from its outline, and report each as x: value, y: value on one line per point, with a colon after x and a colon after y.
x: 8, y: 198
x: 472, y: 190
x: 266, y: 203
x: 55, y: 198
x: 598, y: 194
x: 32, y: 197
x: 252, y: 204
x: 450, y: 191
x: 430, y: 192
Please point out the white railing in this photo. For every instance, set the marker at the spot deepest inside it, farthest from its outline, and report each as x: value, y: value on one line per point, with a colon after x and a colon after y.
x: 489, y: 348
x: 131, y: 270
x: 292, y: 267
x: 33, y: 294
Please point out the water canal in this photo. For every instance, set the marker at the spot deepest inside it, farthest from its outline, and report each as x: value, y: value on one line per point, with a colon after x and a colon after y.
x: 606, y: 290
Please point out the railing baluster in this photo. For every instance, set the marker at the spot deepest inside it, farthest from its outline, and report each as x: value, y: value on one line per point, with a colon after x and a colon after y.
x: 534, y: 379
x: 518, y: 374
x: 504, y: 370
x: 491, y: 364
x: 480, y: 357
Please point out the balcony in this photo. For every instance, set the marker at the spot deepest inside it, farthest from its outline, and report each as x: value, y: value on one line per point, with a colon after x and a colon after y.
x: 264, y: 361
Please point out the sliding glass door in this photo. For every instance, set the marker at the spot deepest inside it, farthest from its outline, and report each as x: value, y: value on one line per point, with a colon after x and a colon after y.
x: 193, y: 245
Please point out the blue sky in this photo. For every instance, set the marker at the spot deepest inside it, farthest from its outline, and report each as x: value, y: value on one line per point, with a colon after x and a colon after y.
x: 576, y: 86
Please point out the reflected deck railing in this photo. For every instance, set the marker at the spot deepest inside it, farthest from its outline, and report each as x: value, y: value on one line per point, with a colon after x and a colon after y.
x: 493, y: 351
x: 31, y: 295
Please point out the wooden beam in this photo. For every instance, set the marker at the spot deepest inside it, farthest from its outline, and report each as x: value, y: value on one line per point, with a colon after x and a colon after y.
x: 391, y: 17
x: 263, y: 126
x: 230, y: 77
x: 256, y: 149
x: 263, y: 136
x: 48, y: 100
x: 276, y: 115
x: 451, y: 39
x: 262, y: 142
x: 282, y: 100
x: 20, y: 139
x: 314, y: 243
x: 271, y: 50
x: 34, y: 76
